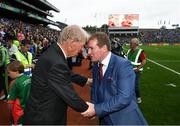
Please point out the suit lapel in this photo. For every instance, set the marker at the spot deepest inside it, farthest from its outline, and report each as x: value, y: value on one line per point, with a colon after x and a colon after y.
x: 58, y: 49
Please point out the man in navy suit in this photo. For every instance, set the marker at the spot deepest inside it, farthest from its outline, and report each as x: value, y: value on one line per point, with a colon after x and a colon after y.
x: 113, y: 97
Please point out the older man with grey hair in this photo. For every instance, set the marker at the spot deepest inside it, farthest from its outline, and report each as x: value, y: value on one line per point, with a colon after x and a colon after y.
x: 52, y: 91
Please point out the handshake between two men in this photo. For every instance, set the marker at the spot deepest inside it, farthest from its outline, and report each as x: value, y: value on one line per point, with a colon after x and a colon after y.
x: 90, y: 112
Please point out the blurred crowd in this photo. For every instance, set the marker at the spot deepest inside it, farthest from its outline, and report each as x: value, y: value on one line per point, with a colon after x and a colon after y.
x: 40, y: 37
x: 149, y: 36
x: 23, y: 42
x: 160, y: 35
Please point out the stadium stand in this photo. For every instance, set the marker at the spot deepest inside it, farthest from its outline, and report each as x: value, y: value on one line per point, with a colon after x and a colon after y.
x: 31, y: 11
x: 146, y: 35
x: 25, y: 20
x: 160, y: 35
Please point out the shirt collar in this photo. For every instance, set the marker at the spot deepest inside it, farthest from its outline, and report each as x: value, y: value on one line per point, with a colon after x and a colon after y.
x: 106, y: 59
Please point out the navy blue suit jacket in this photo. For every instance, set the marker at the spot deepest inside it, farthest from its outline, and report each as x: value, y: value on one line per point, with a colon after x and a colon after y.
x: 114, y: 96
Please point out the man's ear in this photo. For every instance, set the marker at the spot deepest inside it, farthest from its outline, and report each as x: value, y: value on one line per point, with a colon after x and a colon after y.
x: 104, y: 47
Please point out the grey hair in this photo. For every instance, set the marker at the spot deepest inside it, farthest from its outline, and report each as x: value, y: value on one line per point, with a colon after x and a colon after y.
x: 135, y: 40
x: 73, y: 32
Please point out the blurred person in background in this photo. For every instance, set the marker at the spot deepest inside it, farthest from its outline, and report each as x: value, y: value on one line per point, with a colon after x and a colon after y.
x: 4, y: 60
x: 12, y: 45
x: 20, y: 35
x: 45, y: 45
x: 137, y: 57
x: 23, y: 55
x: 19, y: 92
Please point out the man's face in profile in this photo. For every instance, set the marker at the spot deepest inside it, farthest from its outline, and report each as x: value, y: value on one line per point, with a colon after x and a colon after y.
x: 94, y: 51
x: 75, y: 48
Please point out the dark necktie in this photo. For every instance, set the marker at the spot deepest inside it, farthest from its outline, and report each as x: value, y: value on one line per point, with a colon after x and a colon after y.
x: 100, y: 71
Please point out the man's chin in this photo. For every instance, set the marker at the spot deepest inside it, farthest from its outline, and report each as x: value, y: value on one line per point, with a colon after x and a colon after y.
x: 94, y: 61
x: 73, y: 55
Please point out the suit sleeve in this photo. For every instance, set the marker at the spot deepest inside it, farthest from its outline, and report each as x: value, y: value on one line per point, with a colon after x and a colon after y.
x: 93, y: 88
x: 78, y: 79
x: 125, y: 90
x: 59, y: 79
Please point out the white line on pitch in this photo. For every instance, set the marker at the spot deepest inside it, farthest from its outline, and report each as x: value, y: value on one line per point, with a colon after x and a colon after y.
x: 168, y: 61
x: 164, y: 67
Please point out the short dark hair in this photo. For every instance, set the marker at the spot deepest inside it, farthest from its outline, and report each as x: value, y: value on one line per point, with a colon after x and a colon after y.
x: 16, y: 66
x: 102, y: 39
x: 25, y: 42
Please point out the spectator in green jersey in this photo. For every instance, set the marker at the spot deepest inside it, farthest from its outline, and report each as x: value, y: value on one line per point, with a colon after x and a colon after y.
x: 19, y: 91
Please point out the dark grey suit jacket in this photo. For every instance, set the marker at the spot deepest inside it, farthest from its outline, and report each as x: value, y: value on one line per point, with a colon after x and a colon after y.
x: 52, y: 90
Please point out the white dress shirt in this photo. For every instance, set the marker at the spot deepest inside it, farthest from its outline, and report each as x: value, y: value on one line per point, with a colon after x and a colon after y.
x: 105, y: 62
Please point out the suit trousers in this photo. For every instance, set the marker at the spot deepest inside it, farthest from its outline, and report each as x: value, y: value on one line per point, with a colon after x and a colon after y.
x: 105, y: 121
x: 137, y: 84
